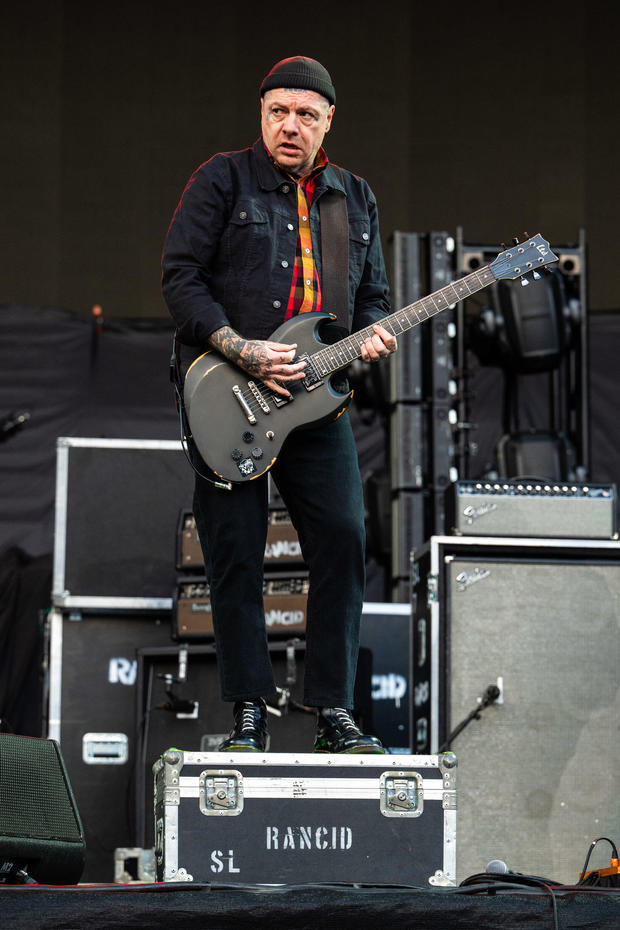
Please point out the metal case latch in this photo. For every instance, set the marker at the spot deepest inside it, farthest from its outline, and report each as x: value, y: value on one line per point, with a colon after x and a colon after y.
x: 220, y: 792
x: 401, y: 794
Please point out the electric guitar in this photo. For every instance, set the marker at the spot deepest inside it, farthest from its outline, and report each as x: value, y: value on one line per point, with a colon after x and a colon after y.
x: 239, y: 424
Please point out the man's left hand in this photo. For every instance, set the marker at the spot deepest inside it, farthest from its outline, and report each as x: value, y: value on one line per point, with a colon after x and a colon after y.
x: 378, y: 346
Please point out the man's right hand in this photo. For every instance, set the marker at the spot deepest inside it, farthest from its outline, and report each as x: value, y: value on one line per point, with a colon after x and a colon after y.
x: 271, y: 362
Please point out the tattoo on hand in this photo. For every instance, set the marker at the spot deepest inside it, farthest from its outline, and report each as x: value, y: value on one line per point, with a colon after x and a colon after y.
x: 249, y: 354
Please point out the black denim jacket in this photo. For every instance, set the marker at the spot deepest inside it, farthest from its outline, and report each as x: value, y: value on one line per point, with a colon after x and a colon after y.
x: 230, y: 251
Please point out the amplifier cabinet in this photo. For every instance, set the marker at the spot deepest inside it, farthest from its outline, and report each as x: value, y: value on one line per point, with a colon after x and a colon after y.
x: 282, y: 546
x: 532, y: 508
x: 117, y: 510
x: 539, y: 619
x: 285, y: 597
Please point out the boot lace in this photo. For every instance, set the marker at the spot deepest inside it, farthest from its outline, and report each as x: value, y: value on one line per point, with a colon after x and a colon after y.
x: 248, y: 718
x: 345, y: 719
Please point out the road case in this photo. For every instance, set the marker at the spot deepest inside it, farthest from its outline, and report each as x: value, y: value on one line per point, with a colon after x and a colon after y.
x: 283, y: 818
x: 117, y: 511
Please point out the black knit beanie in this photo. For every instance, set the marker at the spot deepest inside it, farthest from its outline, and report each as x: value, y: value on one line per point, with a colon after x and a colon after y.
x: 302, y: 72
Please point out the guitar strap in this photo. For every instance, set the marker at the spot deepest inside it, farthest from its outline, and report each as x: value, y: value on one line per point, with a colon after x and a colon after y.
x: 335, y: 255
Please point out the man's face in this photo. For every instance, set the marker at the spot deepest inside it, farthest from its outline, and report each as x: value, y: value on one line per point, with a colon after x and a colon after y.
x: 293, y: 124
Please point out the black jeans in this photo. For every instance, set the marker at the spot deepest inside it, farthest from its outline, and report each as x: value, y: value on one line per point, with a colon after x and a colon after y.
x: 318, y: 476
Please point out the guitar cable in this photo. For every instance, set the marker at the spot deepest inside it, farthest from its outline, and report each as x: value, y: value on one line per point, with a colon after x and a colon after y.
x: 184, y: 427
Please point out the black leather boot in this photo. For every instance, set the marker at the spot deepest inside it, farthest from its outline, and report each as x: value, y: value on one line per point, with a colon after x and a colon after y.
x: 337, y: 731
x: 249, y: 733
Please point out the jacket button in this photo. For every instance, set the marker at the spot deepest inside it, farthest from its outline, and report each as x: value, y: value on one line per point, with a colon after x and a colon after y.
x: 284, y: 264
x: 243, y: 215
x: 290, y: 226
x: 365, y: 236
x: 277, y: 304
x: 285, y: 188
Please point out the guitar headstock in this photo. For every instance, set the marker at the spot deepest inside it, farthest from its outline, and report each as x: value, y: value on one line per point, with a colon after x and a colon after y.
x: 523, y: 259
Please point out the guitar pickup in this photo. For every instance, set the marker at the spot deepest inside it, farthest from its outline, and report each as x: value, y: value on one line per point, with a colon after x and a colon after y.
x: 280, y: 400
x: 312, y: 378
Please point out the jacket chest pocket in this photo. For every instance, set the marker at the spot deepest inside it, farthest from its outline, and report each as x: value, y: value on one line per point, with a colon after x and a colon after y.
x: 248, y: 234
x: 359, y: 239
x: 248, y: 218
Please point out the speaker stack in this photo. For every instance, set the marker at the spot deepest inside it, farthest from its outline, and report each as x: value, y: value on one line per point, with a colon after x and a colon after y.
x: 117, y: 513
x: 537, y: 620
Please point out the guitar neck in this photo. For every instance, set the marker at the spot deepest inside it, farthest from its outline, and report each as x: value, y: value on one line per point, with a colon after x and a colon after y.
x: 334, y: 357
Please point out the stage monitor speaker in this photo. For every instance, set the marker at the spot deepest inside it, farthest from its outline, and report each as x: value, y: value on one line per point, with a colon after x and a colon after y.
x: 41, y: 836
x: 538, y: 771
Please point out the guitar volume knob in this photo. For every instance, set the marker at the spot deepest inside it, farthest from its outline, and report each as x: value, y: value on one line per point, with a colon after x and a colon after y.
x: 236, y: 455
x: 257, y: 452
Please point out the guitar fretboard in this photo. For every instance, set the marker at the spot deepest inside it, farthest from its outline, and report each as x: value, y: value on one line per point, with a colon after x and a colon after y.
x: 342, y: 353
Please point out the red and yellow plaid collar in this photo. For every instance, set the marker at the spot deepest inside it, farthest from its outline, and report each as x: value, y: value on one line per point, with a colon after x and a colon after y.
x: 320, y: 163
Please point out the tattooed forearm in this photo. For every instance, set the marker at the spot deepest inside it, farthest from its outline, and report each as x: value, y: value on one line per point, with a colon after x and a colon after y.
x: 228, y: 342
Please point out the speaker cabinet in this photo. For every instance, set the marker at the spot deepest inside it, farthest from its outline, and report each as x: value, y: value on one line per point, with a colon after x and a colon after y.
x: 40, y: 829
x: 540, y: 619
x: 92, y: 696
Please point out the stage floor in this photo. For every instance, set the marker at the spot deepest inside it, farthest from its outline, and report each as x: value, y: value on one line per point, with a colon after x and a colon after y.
x: 305, y: 907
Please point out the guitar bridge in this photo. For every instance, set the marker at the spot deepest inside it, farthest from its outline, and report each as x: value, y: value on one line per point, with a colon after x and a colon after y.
x: 262, y: 403
x: 244, y: 404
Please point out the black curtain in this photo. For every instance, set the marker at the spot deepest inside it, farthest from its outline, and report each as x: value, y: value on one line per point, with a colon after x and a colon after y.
x: 25, y: 583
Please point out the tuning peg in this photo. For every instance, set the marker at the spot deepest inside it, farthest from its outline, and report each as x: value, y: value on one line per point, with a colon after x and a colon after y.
x: 515, y: 240
x: 525, y: 236
x: 536, y: 276
x: 524, y: 282
x: 502, y: 245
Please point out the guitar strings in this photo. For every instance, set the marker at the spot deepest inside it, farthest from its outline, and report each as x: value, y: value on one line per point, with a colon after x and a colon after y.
x: 331, y: 358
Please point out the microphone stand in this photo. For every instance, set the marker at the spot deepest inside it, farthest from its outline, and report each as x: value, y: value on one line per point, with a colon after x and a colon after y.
x: 11, y: 423
x: 489, y: 697
x: 285, y: 703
